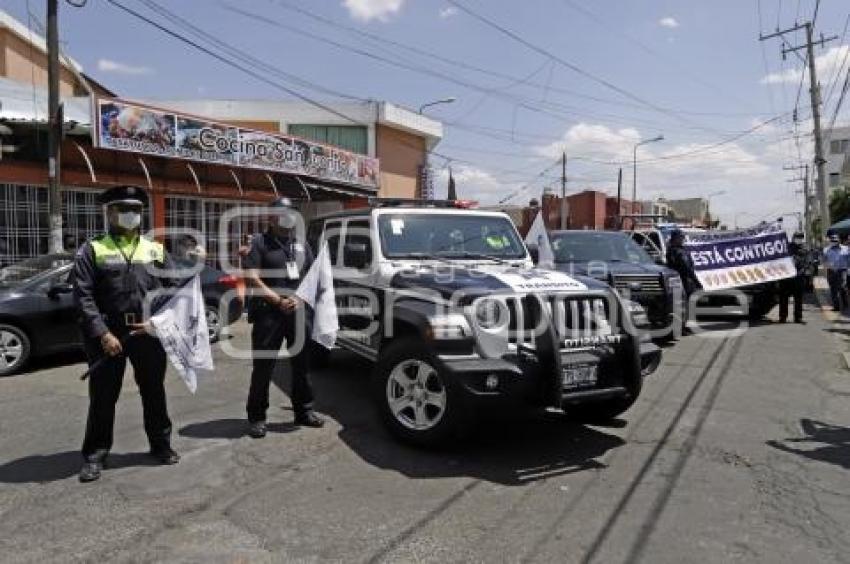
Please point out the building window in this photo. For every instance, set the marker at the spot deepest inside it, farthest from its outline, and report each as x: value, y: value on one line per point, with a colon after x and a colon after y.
x: 25, y: 226
x: 839, y: 146
x: 353, y: 138
x: 834, y: 179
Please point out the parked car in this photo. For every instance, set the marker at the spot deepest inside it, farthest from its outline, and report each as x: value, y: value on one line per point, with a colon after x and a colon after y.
x: 614, y: 258
x: 38, y: 317
x: 448, y: 306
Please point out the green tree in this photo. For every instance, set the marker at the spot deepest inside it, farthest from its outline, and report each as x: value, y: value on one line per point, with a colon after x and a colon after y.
x: 839, y: 204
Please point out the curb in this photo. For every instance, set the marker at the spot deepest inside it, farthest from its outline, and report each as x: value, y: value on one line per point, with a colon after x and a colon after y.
x: 824, y: 300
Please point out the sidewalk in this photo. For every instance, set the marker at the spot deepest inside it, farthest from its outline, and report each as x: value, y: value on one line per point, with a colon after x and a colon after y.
x: 824, y: 301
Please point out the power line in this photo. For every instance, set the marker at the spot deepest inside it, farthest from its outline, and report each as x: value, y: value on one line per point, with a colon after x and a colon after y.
x: 466, y: 65
x: 561, y: 111
x: 680, y: 68
x: 230, y: 63
x: 572, y: 66
x: 833, y: 82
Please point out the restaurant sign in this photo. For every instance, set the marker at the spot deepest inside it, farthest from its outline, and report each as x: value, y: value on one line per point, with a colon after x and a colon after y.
x: 137, y: 128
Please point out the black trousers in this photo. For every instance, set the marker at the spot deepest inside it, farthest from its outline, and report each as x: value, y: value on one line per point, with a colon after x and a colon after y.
x: 835, y: 279
x: 792, y: 287
x: 269, y: 330
x: 148, y: 360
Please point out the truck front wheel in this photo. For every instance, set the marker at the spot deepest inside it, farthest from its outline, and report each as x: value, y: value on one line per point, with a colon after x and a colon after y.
x: 417, y: 402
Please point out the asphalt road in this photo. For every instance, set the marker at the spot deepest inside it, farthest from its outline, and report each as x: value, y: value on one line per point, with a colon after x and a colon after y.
x: 738, y: 450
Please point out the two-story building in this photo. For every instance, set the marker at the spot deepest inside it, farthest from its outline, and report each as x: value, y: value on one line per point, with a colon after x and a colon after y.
x: 197, y: 158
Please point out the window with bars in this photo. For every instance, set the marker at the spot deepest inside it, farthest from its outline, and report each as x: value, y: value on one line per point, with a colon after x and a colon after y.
x: 25, y: 226
x: 205, y: 217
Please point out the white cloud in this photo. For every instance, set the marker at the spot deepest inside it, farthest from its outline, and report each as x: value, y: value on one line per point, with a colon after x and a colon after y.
x: 472, y: 183
x: 597, y: 141
x: 668, y: 22
x: 107, y: 65
x: 448, y: 12
x: 827, y: 65
x: 368, y: 10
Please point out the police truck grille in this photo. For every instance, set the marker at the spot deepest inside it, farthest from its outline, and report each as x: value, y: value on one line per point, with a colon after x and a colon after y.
x: 574, y: 319
x: 638, y: 284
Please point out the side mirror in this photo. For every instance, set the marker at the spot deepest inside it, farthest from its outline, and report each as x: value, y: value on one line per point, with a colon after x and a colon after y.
x: 659, y: 260
x: 534, y: 251
x: 356, y: 255
x: 59, y: 288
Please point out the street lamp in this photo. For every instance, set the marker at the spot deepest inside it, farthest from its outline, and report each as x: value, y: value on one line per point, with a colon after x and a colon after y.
x: 425, y: 189
x: 448, y: 100
x: 634, y: 168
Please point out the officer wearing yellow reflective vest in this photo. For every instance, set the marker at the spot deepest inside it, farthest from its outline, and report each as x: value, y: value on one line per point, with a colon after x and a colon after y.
x: 111, y: 275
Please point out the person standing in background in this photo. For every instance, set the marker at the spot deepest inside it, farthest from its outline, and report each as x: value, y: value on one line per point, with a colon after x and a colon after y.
x: 793, y: 287
x: 835, y: 260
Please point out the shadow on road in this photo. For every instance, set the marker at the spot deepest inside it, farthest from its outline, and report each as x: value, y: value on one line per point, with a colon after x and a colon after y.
x: 831, y: 443
x: 228, y: 429
x: 52, y: 467
x: 504, y: 448
x: 53, y: 360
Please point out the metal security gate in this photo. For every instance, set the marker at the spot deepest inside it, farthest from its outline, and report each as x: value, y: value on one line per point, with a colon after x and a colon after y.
x: 24, y: 223
x: 205, y: 216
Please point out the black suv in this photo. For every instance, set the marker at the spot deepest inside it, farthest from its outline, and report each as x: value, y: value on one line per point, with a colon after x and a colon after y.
x: 447, y: 304
x: 614, y: 258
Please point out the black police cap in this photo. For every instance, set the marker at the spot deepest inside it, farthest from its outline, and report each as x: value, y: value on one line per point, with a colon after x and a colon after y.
x: 123, y: 194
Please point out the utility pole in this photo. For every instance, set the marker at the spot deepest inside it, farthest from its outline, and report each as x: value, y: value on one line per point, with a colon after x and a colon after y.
x: 54, y: 128
x: 564, y: 207
x: 814, y: 91
x: 620, y: 199
x: 807, y: 227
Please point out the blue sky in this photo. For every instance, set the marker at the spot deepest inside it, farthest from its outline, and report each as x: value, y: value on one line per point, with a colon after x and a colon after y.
x: 697, y: 63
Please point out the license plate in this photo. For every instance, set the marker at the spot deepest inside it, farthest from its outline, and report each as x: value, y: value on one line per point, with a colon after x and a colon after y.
x: 579, y: 376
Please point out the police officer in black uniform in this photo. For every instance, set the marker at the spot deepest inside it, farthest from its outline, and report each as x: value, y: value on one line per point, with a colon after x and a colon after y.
x: 794, y: 286
x: 680, y: 260
x: 111, y: 275
x: 273, y: 268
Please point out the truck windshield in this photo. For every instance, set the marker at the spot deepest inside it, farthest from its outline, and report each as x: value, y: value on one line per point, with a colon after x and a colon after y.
x: 586, y: 246
x: 449, y: 235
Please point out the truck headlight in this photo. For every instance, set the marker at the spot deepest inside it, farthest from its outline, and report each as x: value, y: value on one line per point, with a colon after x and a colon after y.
x: 448, y: 327
x: 636, y: 313
x: 491, y: 314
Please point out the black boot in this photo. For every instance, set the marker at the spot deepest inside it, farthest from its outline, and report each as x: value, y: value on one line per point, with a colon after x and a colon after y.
x: 91, y: 470
x: 257, y: 429
x: 165, y: 455
x: 309, y: 419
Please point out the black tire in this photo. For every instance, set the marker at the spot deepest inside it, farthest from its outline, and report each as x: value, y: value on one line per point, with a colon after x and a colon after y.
x: 214, y: 323
x: 15, y: 349
x: 447, y: 426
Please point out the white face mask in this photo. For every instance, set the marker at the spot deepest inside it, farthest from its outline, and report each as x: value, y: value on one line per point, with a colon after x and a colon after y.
x: 129, y: 220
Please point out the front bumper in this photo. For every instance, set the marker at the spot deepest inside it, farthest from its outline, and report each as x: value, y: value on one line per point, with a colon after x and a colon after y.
x: 524, y: 378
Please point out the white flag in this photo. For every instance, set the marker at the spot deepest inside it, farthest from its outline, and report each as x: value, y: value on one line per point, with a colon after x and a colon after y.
x: 181, y: 326
x: 537, y: 235
x: 317, y: 290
